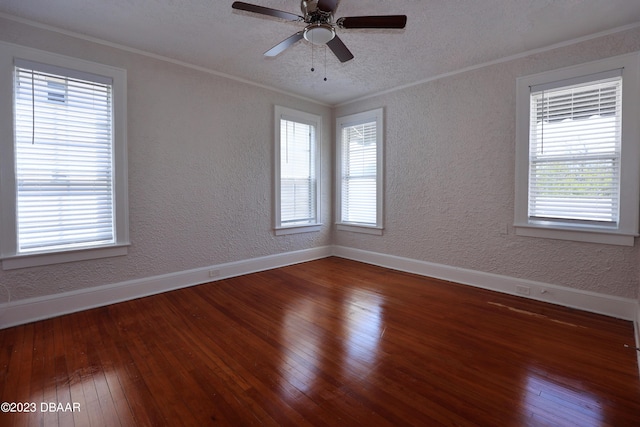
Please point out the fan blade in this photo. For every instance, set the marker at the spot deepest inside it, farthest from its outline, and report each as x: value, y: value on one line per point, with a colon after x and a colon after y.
x: 280, y: 47
x: 383, y: 21
x: 328, y: 5
x: 339, y: 49
x: 239, y: 5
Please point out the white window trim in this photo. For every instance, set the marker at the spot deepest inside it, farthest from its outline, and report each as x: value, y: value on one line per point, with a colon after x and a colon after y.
x: 627, y: 228
x: 309, y: 119
x: 8, y: 251
x: 376, y: 115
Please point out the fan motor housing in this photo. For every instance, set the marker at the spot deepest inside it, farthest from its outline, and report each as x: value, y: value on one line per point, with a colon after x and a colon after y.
x: 313, y: 15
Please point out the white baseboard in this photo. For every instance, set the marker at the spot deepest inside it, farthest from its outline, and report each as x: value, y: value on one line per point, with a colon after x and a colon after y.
x: 29, y: 310
x: 622, y: 308
x: 32, y: 309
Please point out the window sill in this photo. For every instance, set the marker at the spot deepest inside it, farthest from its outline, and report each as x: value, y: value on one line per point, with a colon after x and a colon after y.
x: 575, y: 234
x: 283, y: 231
x: 366, y: 229
x: 38, y: 259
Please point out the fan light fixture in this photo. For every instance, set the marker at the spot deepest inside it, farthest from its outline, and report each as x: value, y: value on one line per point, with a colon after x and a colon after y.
x: 319, y: 34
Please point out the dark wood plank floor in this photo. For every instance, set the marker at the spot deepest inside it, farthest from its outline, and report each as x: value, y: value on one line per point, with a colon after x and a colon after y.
x: 325, y: 343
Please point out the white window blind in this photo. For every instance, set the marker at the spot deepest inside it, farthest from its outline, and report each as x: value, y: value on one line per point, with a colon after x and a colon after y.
x: 359, y: 174
x: 574, y: 151
x: 298, y: 189
x: 63, y: 159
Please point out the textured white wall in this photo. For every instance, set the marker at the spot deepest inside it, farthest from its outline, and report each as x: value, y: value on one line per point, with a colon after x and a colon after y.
x: 200, y: 162
x: 200, y: 171
x: 449, y: 165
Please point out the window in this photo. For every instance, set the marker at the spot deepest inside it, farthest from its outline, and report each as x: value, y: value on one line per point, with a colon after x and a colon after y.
x: 63, y: 190
x: 577, y: 153
x: 359, y: 172
x: 297, y: 171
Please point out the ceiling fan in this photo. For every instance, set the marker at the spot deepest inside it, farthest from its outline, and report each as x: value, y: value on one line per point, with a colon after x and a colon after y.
x: 320, y: 29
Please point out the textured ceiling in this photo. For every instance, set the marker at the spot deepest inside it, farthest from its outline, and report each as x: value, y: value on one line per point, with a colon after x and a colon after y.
x: 441, y: 36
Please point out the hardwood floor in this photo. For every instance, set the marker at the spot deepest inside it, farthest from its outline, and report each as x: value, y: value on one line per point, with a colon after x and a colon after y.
x: 324, y: 343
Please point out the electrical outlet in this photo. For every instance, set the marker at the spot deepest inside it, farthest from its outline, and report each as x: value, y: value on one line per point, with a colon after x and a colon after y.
x: 523, y: 290
x: 214, y: 273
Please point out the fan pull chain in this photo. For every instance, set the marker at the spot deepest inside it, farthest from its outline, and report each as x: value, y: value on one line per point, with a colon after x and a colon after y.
x: 325, y: 62
x: 312, y: 68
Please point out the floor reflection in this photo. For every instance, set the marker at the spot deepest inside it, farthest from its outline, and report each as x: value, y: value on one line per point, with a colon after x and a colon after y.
x: 87, y: 392
x: 302, y: 344
x: 555, y: 402
x: 363, y: 314
x: 347, y: 333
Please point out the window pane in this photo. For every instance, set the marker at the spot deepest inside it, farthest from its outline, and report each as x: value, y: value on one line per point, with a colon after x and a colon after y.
x: 297, y: 173
x: 574, y: 152
x: 63, y: 148
x: 359, y: 172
